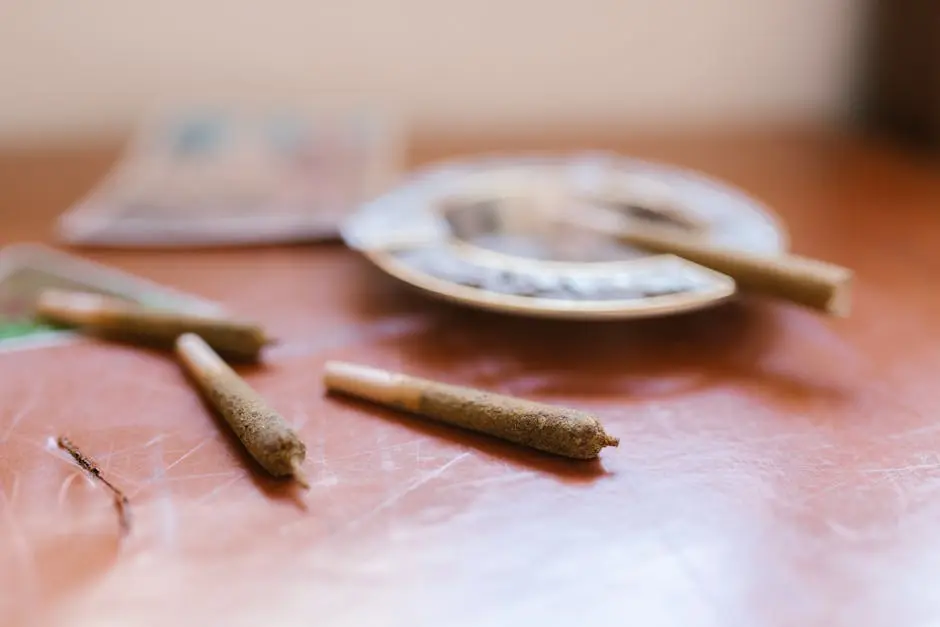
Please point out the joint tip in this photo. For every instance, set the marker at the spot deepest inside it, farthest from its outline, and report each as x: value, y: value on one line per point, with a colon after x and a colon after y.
x: 299, y: 475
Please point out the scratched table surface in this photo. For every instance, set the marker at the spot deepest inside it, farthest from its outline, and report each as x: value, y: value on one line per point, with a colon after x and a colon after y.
x: 775, y: 467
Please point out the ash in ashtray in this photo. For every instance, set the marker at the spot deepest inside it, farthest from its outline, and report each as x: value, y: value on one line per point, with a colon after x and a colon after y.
x: 551, y: 282
x: 517, y: 229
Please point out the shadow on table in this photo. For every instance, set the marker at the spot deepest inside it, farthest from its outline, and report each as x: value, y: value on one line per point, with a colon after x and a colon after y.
x: 645, y: 358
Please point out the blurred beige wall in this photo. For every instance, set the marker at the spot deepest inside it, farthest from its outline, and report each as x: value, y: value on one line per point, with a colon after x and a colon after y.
x: 79, y: 66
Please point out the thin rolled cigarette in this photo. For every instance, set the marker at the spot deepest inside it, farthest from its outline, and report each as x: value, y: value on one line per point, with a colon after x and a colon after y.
x: 558, y: 430
x: 262, y: 431
x: 808, y: 282
x: 114, y: 318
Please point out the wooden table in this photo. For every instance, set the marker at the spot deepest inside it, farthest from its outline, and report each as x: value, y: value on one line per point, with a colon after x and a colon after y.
x: 776, y: 468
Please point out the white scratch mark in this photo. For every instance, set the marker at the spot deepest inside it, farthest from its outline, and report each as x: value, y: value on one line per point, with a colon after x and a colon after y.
x: 388, y: 463
x: 22, y: 413
x: 326, y: 479
x: 135, y: 448
x: 901, y: 469
x: 187, y: 454
x: 107, y: 459
x: 300, y: 417
x: 904, y: 435
x: 325, y: 476
x: 60, y: 499
x: 216, y: 490
x: 154, y: 440
x: 411, y: 487
x: 168, y: 517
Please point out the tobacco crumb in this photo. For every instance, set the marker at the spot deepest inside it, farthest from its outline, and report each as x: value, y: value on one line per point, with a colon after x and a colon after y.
x: 121, y: 502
